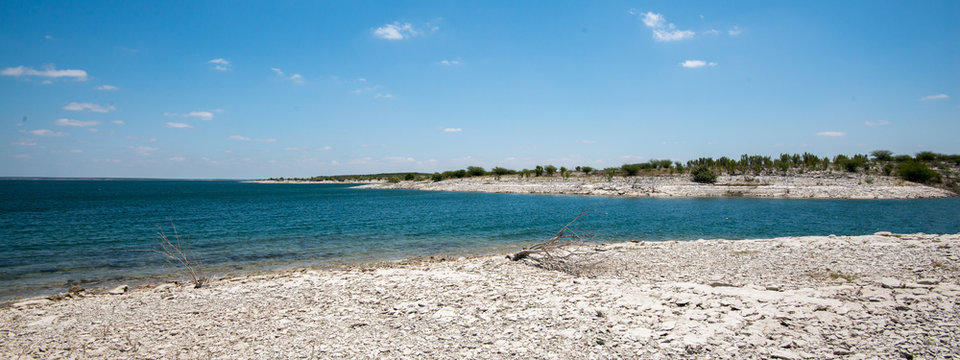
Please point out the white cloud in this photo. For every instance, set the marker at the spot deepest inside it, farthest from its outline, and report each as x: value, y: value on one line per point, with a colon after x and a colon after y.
x: 712, y: 32
x: 49, y: 72
x: 107, y: 88
x: 176, y: 125
x: 935, y: 97
x: 45, y: 132
x: 735, y: 31
x: 452, y: 130
x: 662, y: 30
x: 143, y: 150
x: 77, y: 123
x: 653, y: 20
x: 878, y: 123
x: 327, y: 148
x: 24, y: 143
x: 693, y: 64
x: 93, y: 130
x: 203, y: 115
x: 118, y: 122
x: 245, y: 138
x: 832, y: 133
x: 671, y: 35
x: 384, y: 96
x: 75, y: 106
x: 221, y: 64
x: 76, y: 151
x: 449, y: 62
x: 295, y: 78
x: 177, y: 159
x: 396, y: 31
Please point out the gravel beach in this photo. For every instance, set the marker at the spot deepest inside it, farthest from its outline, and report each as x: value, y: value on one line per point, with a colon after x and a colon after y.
x: 846, y: 297
x: 821, y: 185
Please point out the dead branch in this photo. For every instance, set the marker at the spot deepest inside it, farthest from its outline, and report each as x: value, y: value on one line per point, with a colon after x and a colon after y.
x: 177, y: 253
x: 563, y: 252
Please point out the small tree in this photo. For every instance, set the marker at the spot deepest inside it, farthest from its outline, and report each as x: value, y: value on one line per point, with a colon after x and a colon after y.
x: 409, y: 177
x: 550, y: 170
x: 882, y: 155
x: 436, y: 177
x: 610, y: 173
x: 704, y: 175
x: 475, y: 171
x: 631, y: 169
x: 538, y: 170
x: 586, y: 169
x: 679, y: 167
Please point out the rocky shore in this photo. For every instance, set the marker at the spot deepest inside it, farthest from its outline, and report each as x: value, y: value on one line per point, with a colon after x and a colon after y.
x: 823, y: 297
x: 821, y: 185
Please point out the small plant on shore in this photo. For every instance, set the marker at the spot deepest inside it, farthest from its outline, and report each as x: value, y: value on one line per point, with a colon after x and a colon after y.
x: 538, y: 171
x: 178, y: 253
x: 610, y: 173
x: 410, y: 177
x: 703, y: 175
x: 436, y: 177
x: 586, y: 170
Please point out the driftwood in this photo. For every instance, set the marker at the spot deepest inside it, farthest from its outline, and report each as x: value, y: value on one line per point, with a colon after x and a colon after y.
x: 561, y: 251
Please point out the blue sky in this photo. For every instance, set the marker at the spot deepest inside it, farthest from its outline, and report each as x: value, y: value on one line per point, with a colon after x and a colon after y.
x: 227, y: 89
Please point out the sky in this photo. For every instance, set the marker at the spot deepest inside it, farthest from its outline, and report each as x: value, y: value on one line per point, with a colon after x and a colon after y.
x: 256, y: 89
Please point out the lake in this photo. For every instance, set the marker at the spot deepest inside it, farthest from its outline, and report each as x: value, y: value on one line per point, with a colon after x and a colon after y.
x: 54, y: 234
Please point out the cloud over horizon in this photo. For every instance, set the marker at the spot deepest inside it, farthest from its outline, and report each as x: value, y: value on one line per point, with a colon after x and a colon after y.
x: 693, y: 64
x: 831, y: 133
x: 934, y: 97
x: 76, y: 123
x: 48, y: 72
x: 75, y: 106
x: 662, y: 30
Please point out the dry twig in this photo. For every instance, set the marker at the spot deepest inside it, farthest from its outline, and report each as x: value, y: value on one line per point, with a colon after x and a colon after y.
x: 563, y: 251
x: 178, y: 253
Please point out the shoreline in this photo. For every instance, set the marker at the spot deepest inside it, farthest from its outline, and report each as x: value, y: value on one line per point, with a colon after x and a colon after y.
x: 807, y: 186
x: 883, y: 295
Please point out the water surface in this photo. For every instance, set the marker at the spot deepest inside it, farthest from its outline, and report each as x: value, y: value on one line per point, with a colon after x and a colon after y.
x: 57, y: 233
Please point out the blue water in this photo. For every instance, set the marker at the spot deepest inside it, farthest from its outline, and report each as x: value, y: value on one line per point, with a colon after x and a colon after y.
x: 54, y: 234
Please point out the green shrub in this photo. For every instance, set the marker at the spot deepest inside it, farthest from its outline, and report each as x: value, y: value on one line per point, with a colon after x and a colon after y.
x: 502, y: 171
x: 538, y: 170
x: 882, y: 155
x: 586, y: 169
x: 394, y: 179
x: 409, y: 177
x: 436, y: 177
x: 917, y: 172
x: 704, y: 175
x: 550, y: 169
x: 927, y: 156
x: 631, y: 169
x: 610, y: 173
x: 475, y: 171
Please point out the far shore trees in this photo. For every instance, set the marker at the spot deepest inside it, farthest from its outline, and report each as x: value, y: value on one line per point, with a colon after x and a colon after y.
x: 924, y: 167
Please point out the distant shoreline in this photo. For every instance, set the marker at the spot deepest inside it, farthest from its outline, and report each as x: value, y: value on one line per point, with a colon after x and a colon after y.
x: 815, y: 185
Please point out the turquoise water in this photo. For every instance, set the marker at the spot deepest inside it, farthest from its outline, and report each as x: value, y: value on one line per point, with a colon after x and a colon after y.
x: 54, y: 234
